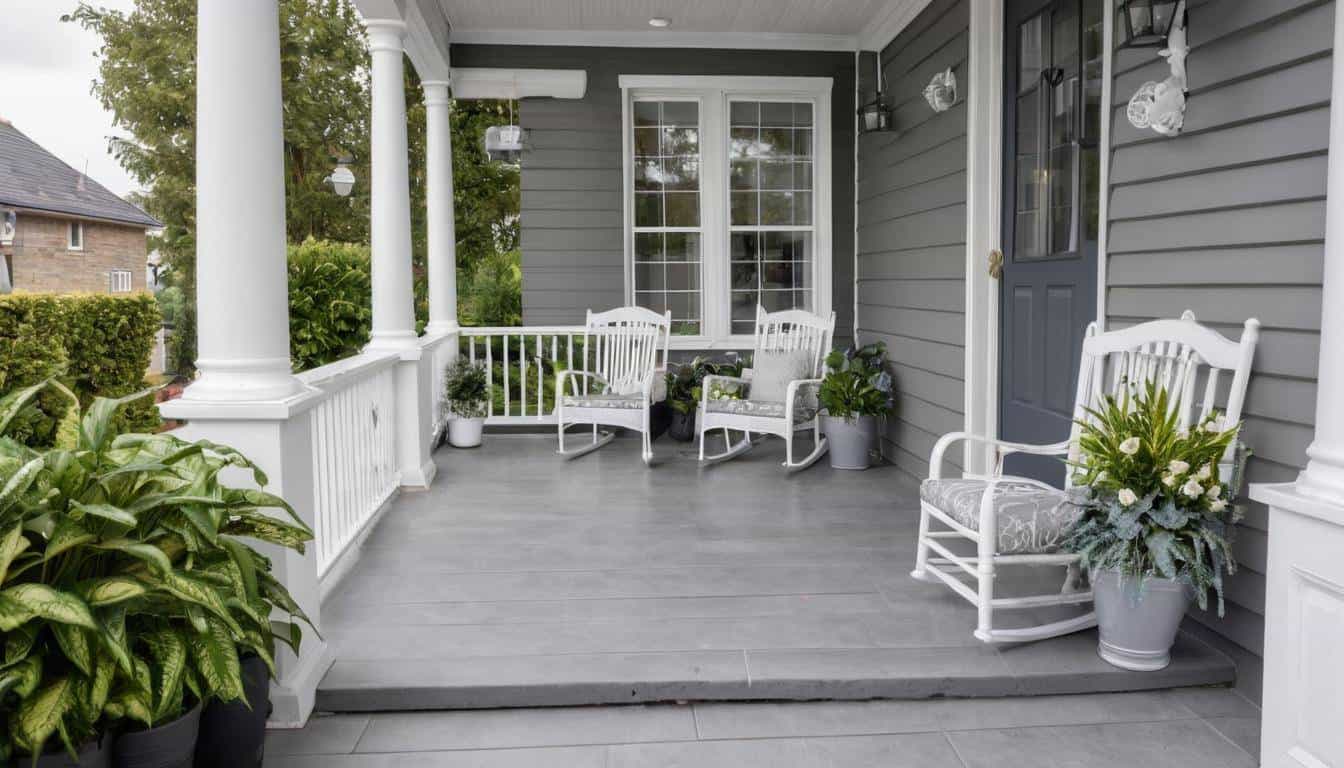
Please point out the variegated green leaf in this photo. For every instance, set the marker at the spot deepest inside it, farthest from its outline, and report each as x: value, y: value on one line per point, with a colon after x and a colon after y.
x: 106, y: 512
x: 269, y: 530
x: 12, y: 542
x: 112, y: 620
x: 19, y: 482
x: 217, y: 660
x: 12, y: 404
x: 69, y: 533
x: 247, y: 568
x: 67, y: 429
x: 41, y: 713
x: 204, y: 595
x: 146, y: 553
x: 112, y: 590
x: 170, y: 658
x: 49, y: 604
x: 27, y: 675
x: 18, y: 642
x: 75, y: 645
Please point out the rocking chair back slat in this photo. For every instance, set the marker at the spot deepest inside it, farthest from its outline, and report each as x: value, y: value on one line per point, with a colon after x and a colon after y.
x: 624, y: 344
x: 1170, y: 354
x: 792, y: 330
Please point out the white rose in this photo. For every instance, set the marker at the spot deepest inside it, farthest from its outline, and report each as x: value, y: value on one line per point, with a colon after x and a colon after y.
x: 1218, y: 506
x: 1214, y: 424
x: 1215, y: 491
x: 1168, y: 480
x: 1205, y: 472
x: 1130, y: 446
x: 1128, y: 497
x: 1178, y: 467
x: 1192, y: 488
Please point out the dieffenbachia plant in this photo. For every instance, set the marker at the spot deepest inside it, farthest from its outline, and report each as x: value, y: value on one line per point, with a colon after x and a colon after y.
x: 127, y: 586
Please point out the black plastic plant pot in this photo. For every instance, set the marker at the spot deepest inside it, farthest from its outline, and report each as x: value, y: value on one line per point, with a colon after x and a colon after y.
x: 232, y: 734
x: 683, y: 426
x: 92, y: 755
x: 171, y: 745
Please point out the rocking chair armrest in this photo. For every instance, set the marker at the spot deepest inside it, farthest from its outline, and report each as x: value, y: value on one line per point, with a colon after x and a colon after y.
x: 714, y: 377
x: 1001, y: 448
x: 560, y: 380
x: 791, y: 395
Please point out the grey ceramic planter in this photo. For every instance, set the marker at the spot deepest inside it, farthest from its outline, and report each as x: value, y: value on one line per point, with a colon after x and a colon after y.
x: 850, y: 440
x: 1137, y: 621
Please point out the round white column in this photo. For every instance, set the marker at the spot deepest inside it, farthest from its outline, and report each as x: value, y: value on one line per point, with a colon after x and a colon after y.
x: 442, y: 235
x: 242, y: 304
x: 393, y: 296
x: 1324, y: 476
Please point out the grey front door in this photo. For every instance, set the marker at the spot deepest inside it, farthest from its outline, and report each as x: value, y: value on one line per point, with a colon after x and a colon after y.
x: 1052, y: 123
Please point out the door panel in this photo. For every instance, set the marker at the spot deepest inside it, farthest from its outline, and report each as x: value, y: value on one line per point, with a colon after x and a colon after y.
x: 1052, y: 81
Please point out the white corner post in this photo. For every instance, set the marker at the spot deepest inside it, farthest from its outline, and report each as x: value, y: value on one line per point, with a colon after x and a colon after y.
x: 393, y: 294
x: 442, y: 235
x: 246, y: 396
x: 1304, y: 600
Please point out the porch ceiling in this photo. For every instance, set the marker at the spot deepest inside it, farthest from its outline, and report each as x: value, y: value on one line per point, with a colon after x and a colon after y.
x: 801, y: 24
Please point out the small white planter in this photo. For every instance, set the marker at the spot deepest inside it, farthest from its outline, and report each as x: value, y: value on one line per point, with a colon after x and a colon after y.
x: 850, y: 440
x: 465, y: 433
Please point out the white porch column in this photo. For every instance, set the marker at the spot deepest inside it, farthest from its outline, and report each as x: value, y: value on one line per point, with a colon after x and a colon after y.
x: 246, y: 396
x: 442, y: 235
x: 393, y: 296
x: 242, y: 305
x: 1304, y: 601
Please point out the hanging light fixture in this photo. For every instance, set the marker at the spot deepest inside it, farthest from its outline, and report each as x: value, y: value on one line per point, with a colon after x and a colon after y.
x: 875, y: 115
x: 505, y: 143
x: 1147, y: 22
x: 342, y: 179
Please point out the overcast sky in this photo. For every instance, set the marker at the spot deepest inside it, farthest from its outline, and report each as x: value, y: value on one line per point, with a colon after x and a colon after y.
x: 46, y: 69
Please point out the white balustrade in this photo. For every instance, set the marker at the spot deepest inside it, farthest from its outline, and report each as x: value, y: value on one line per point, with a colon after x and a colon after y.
x: 442, y: 351
x: 521, y: 364
x: 354, y: 449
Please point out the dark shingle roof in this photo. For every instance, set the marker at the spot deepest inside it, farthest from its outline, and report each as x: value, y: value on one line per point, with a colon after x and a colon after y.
x: 32, y: 177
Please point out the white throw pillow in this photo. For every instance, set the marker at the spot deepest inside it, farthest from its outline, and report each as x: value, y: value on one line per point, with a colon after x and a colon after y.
x: 771, y: 372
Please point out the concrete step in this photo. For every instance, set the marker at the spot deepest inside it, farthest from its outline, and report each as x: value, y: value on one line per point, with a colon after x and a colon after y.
x: 1059, y: 666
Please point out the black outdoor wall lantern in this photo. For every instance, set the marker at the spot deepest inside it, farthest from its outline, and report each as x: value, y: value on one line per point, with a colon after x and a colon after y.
x: 1147, y: 22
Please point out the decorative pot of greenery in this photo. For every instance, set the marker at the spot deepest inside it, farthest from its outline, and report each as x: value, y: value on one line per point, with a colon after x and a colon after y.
x: 126, y: 587
x: 466, y: 394
x: 855, y: 391
x: 233, y: 733
x: 684, y: 391
x: 1156, y: 522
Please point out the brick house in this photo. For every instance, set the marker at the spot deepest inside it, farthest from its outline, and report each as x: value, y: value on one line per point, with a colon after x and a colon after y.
x: 61, y: 231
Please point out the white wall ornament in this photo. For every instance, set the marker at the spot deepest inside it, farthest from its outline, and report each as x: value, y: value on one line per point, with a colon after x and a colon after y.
x: 941, y: 92
x: 1161, y: 106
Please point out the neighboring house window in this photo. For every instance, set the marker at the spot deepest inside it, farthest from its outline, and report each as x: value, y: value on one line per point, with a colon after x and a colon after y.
x: 76, y: 242
x: 119, y: 281
x: 728, y: 204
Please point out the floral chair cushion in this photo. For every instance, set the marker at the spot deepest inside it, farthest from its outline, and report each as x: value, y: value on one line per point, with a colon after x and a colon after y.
x: 608, y: 401
x: 1032, y: 520
x: 766, y: 408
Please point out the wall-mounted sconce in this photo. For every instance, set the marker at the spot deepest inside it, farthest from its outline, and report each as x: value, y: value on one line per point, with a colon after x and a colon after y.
x: 875, y: 115
x: 1159, y: 106
x: 941, y: 92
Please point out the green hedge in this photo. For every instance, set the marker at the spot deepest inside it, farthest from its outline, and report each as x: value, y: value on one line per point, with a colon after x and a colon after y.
x: 96, y: 345
x: 330, y: 294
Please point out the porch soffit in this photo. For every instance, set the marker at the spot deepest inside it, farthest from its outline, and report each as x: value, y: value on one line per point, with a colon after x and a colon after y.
x: 827, y: 25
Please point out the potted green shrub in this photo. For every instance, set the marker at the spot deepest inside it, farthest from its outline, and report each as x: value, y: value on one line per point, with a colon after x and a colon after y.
x: 684, y: 393
x: 1156, y: 522
x: 855, y: 391
x: 126, y: 591
x: 466, y: 395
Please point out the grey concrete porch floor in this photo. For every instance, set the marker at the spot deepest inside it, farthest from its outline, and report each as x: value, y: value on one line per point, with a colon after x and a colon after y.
x: 1184, y: 728
x: 520, y: 580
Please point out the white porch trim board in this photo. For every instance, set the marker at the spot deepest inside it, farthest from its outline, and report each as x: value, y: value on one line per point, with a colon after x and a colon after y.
x: 1304, y: 602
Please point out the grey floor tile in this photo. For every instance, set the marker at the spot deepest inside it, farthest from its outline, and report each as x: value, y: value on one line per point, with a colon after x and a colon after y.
x: 1177, y: 744
x: 554, y: 727
x: 764, y: 720
x: 878, y: 673
x: 324, y: 734
x: 923, y: 750
x: 1070, y: 664
x: 552, y: 757
x: 1242, y: 731
x: 1216, y: 701
x: 771, y: 753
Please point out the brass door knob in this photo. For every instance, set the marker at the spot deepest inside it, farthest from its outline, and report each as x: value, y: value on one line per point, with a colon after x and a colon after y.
x: 996, y: 264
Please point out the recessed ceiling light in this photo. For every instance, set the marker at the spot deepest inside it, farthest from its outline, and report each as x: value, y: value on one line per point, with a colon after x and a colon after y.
x: 660, y: 22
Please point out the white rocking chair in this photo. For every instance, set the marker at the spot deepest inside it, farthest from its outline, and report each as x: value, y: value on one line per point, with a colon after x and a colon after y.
x: 1020, y: 521
x: 623, y: 346
x: 788, y: 331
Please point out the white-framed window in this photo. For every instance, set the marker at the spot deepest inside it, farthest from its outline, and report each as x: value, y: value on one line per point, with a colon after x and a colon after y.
x: 75, y: 236
x: 119, y: 281
x: 727, y: 200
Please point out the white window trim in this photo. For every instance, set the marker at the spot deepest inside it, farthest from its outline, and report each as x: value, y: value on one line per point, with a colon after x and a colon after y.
x: 69, y: 236
x: 114, y: 283
x: 713, y: 94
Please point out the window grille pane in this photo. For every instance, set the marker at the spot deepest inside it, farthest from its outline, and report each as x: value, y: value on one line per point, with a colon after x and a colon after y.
x: 770, y: 151
x: 773, y: 269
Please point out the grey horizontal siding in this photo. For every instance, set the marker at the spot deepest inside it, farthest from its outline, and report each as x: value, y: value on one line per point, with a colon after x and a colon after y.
x: 912, y: 235
x: 1228, y: 220
x: 572, y: 219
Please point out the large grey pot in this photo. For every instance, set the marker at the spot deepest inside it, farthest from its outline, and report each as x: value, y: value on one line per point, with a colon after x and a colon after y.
x: 1137, y: 620
x: 850, y: 440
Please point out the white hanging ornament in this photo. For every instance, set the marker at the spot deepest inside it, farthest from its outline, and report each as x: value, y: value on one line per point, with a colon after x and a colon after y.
x: 1161, y: 106
x: 941, y: 92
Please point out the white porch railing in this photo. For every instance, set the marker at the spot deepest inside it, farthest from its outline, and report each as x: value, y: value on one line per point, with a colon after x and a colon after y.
x: 521, y: 364
x: 442, y: 351
x: 354, y: 449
